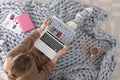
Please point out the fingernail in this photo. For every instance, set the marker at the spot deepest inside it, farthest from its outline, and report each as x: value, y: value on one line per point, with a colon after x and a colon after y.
x: 48, y: 21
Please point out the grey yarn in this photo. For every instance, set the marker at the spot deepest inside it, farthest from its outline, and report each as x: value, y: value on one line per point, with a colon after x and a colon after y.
x: 76, y: 64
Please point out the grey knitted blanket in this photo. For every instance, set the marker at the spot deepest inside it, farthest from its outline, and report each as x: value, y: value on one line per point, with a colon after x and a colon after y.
x: 76, y: 64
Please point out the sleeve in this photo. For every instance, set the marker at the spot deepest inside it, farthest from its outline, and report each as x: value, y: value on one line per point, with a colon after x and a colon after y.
x: 46, y: 70
x: 25, y: 45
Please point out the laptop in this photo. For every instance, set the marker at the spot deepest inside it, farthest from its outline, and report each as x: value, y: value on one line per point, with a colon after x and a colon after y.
x: 56, y: 36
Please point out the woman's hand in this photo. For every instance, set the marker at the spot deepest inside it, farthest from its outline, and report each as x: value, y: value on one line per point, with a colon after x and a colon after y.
x: 44, y: 25
x: 62, y: 51
x: 59, y: 53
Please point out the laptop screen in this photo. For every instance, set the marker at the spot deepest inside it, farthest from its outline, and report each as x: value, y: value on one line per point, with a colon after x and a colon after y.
x: 60, y: 30
x: 51, y: 41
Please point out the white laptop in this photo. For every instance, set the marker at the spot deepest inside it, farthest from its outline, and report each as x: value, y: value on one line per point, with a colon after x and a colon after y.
x: 54, y: 37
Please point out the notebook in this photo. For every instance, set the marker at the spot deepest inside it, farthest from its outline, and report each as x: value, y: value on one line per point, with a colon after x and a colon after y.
x: 25, y: 22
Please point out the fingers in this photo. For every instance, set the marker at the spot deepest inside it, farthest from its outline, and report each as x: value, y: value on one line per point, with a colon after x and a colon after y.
x: 63, y: 50
x: 47, y: 21
x: 44, y: 25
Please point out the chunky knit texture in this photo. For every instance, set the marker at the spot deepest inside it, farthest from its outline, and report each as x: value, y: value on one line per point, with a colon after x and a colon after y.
x: 76, y: 64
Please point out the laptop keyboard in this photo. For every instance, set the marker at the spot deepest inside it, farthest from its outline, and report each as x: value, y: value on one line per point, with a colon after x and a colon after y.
x: 51, y: 42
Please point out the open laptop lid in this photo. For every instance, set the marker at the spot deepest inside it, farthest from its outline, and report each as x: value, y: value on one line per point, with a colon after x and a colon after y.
x: 60, y: 30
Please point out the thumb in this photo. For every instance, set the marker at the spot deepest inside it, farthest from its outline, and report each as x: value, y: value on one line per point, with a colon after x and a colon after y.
x: 63, y: 50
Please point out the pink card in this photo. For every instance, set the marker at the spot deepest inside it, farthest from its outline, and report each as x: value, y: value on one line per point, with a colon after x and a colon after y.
x: 25, y: 22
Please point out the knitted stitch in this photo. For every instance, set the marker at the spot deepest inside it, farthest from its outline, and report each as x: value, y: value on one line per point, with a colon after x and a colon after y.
x: 76, y: 64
